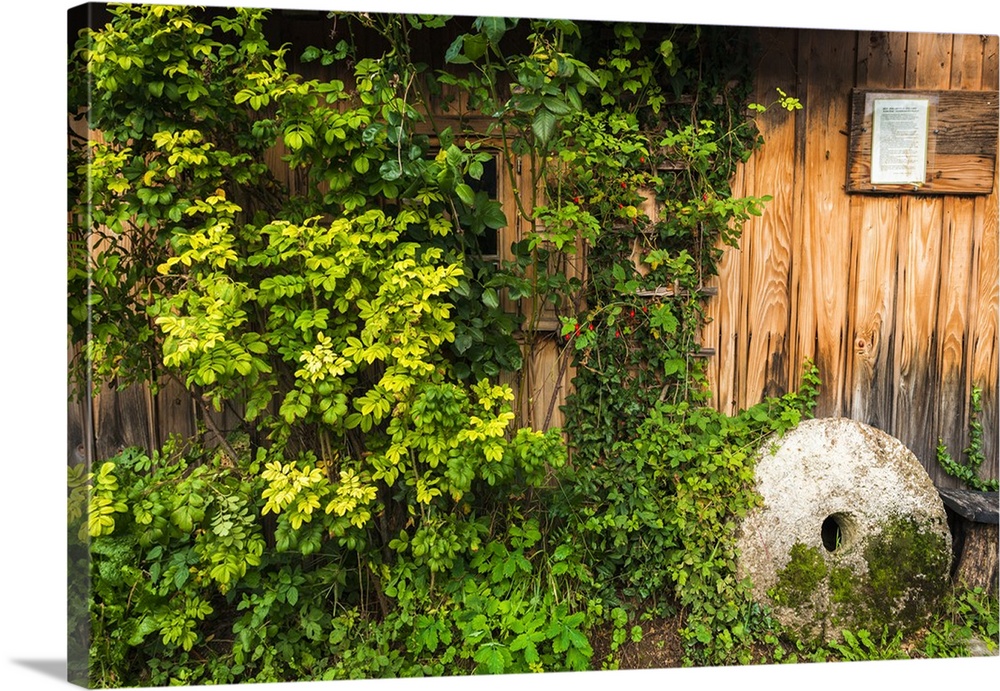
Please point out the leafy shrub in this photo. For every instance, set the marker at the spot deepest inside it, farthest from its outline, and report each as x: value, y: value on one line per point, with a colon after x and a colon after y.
x: 186, y: 573
x: 657, y: 516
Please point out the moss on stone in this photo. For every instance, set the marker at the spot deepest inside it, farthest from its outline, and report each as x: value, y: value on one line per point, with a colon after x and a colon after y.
x: 843, y: 585
x: 902, y: 581
x: 906, y: 578
x: 803, y: 573
x: 907, y: 574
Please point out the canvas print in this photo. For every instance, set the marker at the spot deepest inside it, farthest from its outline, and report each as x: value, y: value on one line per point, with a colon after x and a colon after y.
x: 411, y: 345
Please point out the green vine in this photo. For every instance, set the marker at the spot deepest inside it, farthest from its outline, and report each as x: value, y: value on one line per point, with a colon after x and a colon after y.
x: 656, y: 516
x: 968, y: 472
x: 667, y: 211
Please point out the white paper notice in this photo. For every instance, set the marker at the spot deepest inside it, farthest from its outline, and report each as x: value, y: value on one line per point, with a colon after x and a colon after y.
x: 899, y: 141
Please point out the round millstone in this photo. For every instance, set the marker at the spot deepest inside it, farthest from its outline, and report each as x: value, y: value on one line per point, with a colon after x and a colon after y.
x: 851, y: 534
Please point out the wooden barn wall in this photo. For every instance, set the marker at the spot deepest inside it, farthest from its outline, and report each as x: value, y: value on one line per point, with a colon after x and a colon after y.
x: 894, y: 297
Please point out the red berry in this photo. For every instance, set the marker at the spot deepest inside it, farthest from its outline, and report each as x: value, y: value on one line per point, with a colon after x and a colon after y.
x: 590, y: 326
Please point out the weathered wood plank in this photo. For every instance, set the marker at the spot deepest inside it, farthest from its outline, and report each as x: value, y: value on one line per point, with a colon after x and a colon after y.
x: 985, y: 359
x: 985, y: 365
x: 874, y: 250
x: 980, y: 507
x: 949, y: 174
x: 79, y: 441
x: 875, y: 229
x: 798, y: 352
x: 768, y: 262
x: 824, y: 274
x: 881, y: 59
x: 121, y: 420
x: 914, y: 357
x: 952, y: 322
x: 991, y: 62
x: 967, y: 61
x: 749, y: 244
x: 928, y: 61
x: 957, y: 281
x: 546, y: 383
x: 175, y: 411
x: 722, y: 330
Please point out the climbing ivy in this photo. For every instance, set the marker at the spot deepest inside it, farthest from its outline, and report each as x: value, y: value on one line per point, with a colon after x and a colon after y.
x: 968, y: 472
x: 676, y: 134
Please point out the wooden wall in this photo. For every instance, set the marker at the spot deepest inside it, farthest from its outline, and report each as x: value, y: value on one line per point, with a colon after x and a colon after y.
x: 894, y: 297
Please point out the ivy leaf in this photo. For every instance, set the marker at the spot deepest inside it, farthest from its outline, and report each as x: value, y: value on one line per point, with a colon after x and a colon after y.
x: 491, y: 299
x: 493, y: 215
x: 544, y: 125
x: 463, y: 341
x: 390, y: 171
x: 493, y: 27
x: 454, y: 54
x: 557, y: 106
x: 526, y: 103
x: 475, y: 46
x: 465, y: 193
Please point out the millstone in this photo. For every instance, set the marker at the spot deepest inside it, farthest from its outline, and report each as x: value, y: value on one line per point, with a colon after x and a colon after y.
x: 852, y: 533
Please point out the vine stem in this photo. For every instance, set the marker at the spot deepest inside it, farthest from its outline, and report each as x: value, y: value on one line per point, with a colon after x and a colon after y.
x: 207, y: 418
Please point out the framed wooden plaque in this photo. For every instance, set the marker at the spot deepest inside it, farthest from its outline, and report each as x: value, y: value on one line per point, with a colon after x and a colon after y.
x: 922, y: 142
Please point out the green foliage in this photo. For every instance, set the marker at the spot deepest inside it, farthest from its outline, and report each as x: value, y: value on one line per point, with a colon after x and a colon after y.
x: 863, y: 645
x: 636, y: 346
x: 187, y: 564
x: 968, y: 472
x: 969, y: 614
x: 657, y: 516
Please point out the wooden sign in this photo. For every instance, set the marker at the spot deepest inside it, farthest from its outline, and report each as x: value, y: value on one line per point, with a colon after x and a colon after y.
x: 922, y: 142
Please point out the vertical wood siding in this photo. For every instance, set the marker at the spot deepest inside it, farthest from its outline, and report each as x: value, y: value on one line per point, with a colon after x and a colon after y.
x: 894, y: 297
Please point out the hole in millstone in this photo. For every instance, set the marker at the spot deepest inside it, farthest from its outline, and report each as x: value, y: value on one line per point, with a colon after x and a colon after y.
x: 833, y: 535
